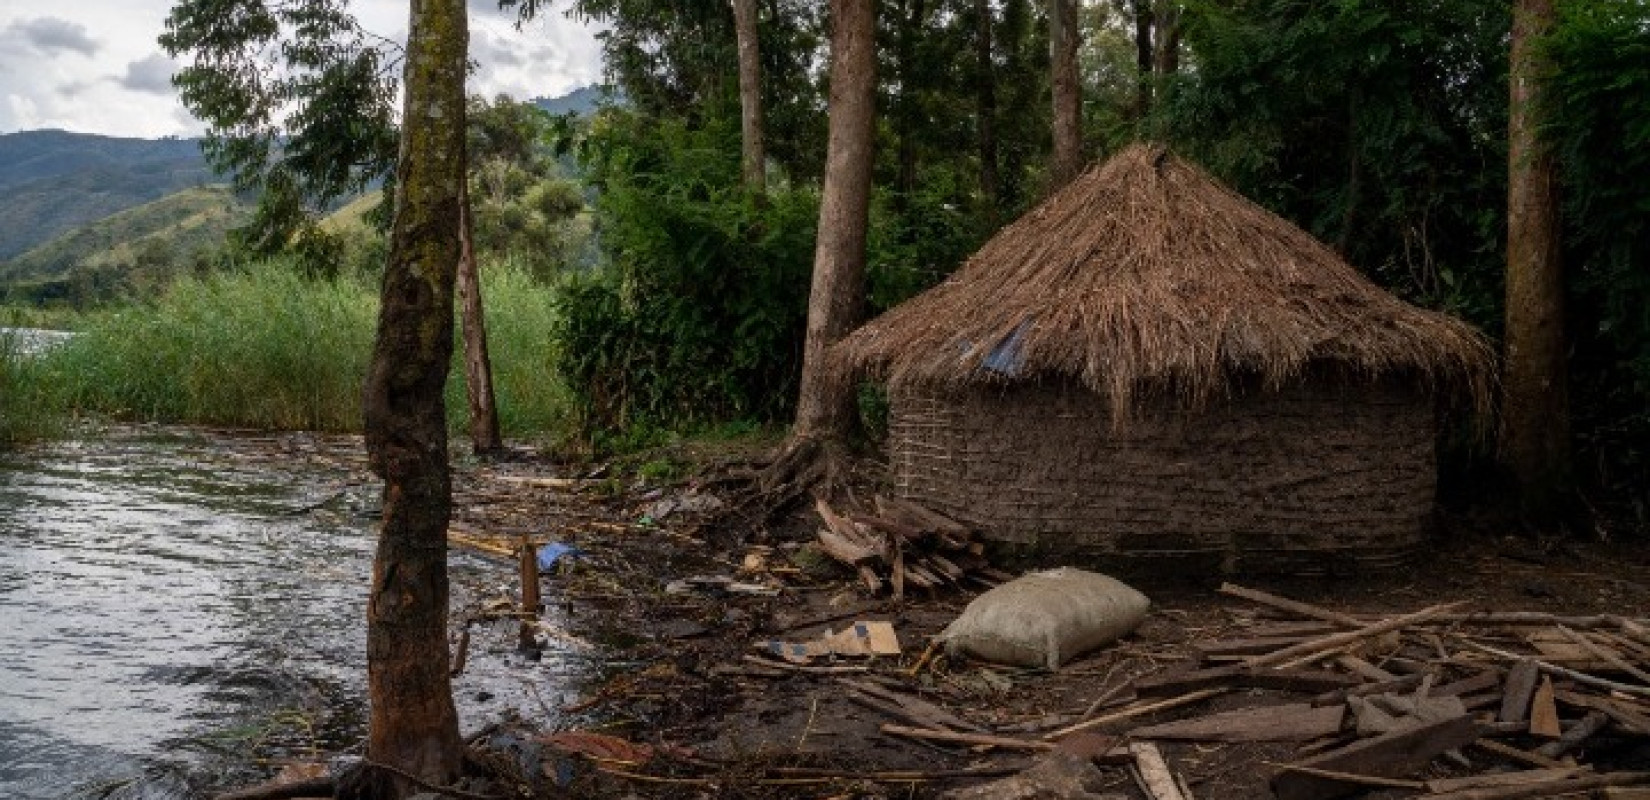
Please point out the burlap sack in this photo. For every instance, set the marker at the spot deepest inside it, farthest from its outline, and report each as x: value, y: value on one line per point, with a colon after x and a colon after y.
x: 1046, y: 618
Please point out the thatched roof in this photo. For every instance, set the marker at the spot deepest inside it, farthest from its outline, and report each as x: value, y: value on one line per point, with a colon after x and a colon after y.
x: 1145, y: 273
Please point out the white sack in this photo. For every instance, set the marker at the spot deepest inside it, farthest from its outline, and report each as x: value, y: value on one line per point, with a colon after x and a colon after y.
x: 1046, y: 618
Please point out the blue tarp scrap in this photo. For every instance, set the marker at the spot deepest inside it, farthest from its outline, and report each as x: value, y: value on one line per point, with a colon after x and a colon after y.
x: 552, y: 552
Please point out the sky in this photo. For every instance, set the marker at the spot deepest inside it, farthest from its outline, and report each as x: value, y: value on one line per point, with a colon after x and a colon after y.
x: 93, y: 66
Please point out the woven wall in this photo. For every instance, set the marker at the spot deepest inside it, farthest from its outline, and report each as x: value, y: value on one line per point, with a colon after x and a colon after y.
x: 1262, y: 482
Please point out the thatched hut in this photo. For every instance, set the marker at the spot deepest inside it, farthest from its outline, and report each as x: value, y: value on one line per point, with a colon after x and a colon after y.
x: 1150, y: 364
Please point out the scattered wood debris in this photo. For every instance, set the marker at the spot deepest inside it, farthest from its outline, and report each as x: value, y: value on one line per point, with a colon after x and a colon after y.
x: 904, y: 545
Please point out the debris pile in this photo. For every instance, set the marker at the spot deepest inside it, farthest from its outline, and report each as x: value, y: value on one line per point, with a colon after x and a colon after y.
x: 905, y: 545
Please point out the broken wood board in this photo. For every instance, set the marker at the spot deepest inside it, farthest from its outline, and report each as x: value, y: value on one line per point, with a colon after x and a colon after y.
x: 1391, y: 755
x: 1283, y: 723
x: 1544, y: 711
x: 1156, y: 778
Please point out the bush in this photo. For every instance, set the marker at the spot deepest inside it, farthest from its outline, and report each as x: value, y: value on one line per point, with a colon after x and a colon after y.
x: 698, y: 311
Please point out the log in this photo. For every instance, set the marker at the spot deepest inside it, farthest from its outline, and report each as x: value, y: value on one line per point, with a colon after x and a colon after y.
x: 1155, y: 776
x: 1444, y: 785
x: 1550, y: 788
x: 1134, y: 711
x: 311, y: 787
x: 1575, y: 735
x: 1517, y: 691
x: 842, y: 549
x: 1294, y: 607
x: 1390, y: 755
x: 1521, y: 756
x: 1336, y: 640
x: 956, y: 737
x: 1284, y: 723
x: 1628, y: 718
x: 1604, y: 655
x: 1574, y: 675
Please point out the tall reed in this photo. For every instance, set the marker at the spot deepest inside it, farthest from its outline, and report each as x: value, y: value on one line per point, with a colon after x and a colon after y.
x: 263, y: 347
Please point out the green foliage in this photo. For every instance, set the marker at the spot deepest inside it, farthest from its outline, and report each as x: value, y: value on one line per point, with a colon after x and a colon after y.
x: 1380, y: 130
x: 524, y: 209
x: 298, y: 101
x: 1599, y: 122
x: 698, y: 313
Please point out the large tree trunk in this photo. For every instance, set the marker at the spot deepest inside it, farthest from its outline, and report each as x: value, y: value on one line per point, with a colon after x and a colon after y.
x: 825, y: 409
x: 413, y: 726
x: 1535, y: 430
x: 986, y: 107
x: 478, y: 366
x: 1067, y: 91
x: 1143, y: 57
x: 753, y: 160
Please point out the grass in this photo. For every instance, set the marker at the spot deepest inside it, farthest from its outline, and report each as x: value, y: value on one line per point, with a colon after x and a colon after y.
x: 265, y: 348
x: 27, y: 413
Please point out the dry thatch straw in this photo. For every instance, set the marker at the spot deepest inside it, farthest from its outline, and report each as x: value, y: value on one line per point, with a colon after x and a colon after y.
x: 1145, y: 274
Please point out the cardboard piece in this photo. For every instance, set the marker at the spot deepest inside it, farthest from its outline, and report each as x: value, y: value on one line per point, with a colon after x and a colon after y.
x: 863, y: 638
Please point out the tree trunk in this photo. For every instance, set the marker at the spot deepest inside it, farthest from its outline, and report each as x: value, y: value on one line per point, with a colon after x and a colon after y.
x: 986, y: 105
x: 478, y: 366
x: 825, y: 409
x: 1166, y: 47
x: 753, y: 160
x: 413, y: 726
x: 1535, y: 430
x: 1142, y: 57
x: 1067, y: 91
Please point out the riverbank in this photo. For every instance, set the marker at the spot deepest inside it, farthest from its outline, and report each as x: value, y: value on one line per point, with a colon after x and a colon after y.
x: 674, y: 589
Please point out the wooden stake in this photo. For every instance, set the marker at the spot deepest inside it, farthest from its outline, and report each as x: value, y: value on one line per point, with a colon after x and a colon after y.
x: 1349, y: 637
x: 1155, y: 776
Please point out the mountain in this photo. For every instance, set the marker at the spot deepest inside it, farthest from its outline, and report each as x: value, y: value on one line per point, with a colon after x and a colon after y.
x: 53, y: 181
x: 137, y: 246
x: 581, y: 101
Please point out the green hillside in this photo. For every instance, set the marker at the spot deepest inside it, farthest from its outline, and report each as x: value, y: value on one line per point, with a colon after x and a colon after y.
x: 54, y: 181
x: 133, y: 247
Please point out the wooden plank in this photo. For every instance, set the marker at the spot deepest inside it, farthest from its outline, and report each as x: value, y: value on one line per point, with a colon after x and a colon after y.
x: 1517, y: 691
x: 1627, y: 717
x: 1155, y: 776
x: 1488, y: 679
x: 1292, y: 606
x: 1551, y: 788
x: 1306, y: 681
x: 1442, y: 785
x: 1544, y: 711
x: 1336, y: 640
x: 1390, y: 755
x: 1246, y: 647
x: 1521, y: 756
x: 957, y: 737
x: 1358, y: 666
x: 1138, y: 710
x: 1284, y: 723
x: 1186, y: 681
x: 1604, y: 654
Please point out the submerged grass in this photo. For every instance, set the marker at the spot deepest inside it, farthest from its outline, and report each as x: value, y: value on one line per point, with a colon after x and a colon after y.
x: 263, y: 347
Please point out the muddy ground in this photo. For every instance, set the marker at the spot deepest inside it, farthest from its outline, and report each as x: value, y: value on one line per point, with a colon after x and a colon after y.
x: 623, y: 653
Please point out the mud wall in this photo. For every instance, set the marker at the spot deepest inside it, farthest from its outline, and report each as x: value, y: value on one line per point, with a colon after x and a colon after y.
x: 1263, y: 481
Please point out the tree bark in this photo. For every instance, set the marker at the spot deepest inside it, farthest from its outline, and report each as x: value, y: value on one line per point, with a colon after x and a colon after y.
x: 412, y: 725
x: 1166, y: 44
x: 753, y: 159
x: 1535, y: 431
x: 986, y: 107
x: 836, y: 301
x: 1143, y: 57
x: 1067, y: 91
x: 478, y: 366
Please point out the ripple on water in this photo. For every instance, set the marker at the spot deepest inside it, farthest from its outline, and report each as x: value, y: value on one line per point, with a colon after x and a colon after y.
x: 159, y: 600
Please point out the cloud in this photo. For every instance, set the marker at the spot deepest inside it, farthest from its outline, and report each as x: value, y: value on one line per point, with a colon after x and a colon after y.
x: 51, y: 35
x: 152, y: 74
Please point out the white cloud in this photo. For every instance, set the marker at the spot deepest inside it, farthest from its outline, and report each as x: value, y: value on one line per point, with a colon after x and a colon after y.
x: 50, y: 35
x: 152, y: 75
x: 92, y: 65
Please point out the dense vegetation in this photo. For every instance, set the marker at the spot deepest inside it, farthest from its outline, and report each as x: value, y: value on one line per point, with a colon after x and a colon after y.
x: 679, y: 293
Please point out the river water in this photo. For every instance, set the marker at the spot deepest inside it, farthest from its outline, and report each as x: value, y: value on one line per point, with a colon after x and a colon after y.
x: 175, y: 606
